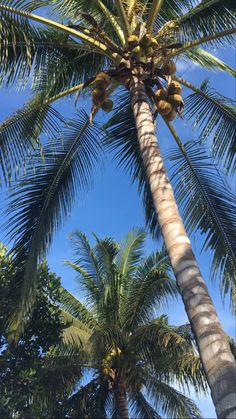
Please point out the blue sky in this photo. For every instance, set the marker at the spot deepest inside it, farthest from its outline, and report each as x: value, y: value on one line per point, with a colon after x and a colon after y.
x: 113, y: 206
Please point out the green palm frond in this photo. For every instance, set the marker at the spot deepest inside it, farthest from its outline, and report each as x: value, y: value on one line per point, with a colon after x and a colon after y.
x: 170, y: 401
x: 207, y: 204
x: 122, y: 138
x: 89, y: 401
x: 215, y: 114
x: 207, y: 61
x: 140, y: 408
x: 131, y: 251
x: 76, y: 309
x: 43, y: 200
x: 151, y: 288
x: 75, y: 333
x: 50, y: 57
x: 207, y: 18
x: 19, y: 135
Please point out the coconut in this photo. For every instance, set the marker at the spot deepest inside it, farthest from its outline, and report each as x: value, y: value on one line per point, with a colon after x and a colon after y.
x: 146, y: 40
x: 172, y: 115
x: 160, y: 94
x: 154, y: 43
x: 102, y: 80
x: 132, y: 41
x: 149, y: 51
x: 164, y: 107
x: 136, y: 50
x: 98, y: 95
x: 168, y: 68
x: 107, y: 105
x: 176, y: 100
x: 142, y: 59
x: 174, y: 88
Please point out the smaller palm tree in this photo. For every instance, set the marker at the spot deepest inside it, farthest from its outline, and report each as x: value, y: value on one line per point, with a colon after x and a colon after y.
x: 133, y: 357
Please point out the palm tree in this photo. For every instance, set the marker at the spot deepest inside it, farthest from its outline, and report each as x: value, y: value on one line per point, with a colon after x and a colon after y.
x: 100, y: 47
x: 133, y: 356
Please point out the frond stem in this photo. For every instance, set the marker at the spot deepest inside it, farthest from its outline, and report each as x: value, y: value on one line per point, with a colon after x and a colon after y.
x: 155, y: 8
x: 112, y: 20
x: 123, y: 18
x: 202, y: 40
x: 87, y: 39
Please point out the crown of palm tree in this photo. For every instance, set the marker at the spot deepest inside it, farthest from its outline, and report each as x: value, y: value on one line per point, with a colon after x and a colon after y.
x: 117, y: 336
x: 59, y: 59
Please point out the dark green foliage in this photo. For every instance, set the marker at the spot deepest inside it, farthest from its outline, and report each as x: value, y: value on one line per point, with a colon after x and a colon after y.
x: 21, y: 366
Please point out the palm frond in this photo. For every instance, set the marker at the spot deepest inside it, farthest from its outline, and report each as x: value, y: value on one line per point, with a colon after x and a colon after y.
x: 206, y: 60
x: 207, y: 204
x: 19, y: 135
x: 215, y: 115
x: 75, y: 333
x: 50, y: 58
x: 121, y: 137
x: 131, y: 251
x: 140, y: 408
x: 151, y: 288
x: 207, y: 18
x: 170, y: 401
x: 76, y: 309
x: 42, y: 200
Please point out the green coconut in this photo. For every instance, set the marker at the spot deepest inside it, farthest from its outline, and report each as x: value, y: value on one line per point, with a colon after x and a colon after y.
x: 154, y: 43
x: 132, y: 41
x: 149, y: 51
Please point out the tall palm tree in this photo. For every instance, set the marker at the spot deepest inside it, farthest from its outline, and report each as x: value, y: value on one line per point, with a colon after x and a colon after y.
x: 100, y: 47
x: 133, y: 356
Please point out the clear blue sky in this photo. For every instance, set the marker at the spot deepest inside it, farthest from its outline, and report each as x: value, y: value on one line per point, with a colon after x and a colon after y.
x: 113, y: 206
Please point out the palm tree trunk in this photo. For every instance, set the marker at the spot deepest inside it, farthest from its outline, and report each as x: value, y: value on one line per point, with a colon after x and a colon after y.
x: 215, y: 353
x: 121, y: 405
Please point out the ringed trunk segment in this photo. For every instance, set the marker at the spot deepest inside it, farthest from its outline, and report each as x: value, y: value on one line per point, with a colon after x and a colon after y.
x: 215, y: 353
x: 121, y: 404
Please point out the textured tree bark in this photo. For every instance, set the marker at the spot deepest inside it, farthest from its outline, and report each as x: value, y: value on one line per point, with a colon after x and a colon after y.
x: 214, y: 350
x: 121, y: 404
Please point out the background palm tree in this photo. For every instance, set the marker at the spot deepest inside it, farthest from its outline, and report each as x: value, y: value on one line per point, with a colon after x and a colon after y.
x: 133, y: 43
x: 133, y: 356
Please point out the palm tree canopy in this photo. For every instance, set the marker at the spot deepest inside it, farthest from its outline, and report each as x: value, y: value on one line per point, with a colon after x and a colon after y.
x: 117, y: 335
x: 63, y: 56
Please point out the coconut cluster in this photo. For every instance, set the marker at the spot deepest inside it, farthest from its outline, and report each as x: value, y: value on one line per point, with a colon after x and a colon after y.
x: 100, y: 92
x: 169, y: 102
x: 141, y: 49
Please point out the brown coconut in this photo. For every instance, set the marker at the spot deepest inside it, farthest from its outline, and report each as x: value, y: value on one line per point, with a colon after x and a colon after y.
x: 146, y: 41
x: 172, y: 115
x: 160, y: 94
x: 174, y: 88
x: 176, y: 100
x: 164, y: 107
x: 98, y: 95
x: 107, y: 105
x: 168, y: 68
x: 102, y: 80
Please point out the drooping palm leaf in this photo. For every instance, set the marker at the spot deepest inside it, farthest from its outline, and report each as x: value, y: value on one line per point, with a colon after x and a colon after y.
x: 171, y: 402
x: 152, y: 287
x: 206, y: 18
x: 206, y: 60
x: 75, y: 308
x: 214, y: 114
x: 43, y: 201
x: 140, y: 408
x: 51, y: 57
x: 122, y: 138
x: 208, y: 205
x: 19, y: 134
